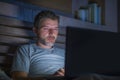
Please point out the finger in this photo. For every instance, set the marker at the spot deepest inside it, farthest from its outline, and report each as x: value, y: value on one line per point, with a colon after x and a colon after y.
x: 62, y: 70
x: 60, y: 73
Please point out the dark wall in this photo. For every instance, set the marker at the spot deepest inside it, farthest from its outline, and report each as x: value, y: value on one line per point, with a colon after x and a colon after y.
x: 27, y: 11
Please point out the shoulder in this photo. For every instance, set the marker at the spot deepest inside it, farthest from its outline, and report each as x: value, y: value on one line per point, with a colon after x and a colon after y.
x: 25, y: 49
x: 25, y: 46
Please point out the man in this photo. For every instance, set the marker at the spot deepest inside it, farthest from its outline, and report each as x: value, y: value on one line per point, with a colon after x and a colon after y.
x: 40, y: 58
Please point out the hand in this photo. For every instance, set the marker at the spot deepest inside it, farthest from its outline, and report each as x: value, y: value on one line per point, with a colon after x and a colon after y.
x: 60, y: 72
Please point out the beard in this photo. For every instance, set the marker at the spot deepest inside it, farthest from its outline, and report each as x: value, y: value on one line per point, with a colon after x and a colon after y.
x: 48, y: 40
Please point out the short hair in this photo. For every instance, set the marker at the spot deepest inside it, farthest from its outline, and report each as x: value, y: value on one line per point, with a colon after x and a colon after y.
x: 43, y: 15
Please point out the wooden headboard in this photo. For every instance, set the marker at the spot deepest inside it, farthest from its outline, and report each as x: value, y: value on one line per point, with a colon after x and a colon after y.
x: 13, y: 33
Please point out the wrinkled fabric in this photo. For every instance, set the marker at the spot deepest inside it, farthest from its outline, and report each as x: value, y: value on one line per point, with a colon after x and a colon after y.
x: 37, y: 61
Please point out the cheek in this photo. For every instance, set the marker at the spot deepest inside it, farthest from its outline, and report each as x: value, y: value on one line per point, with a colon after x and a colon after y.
x: 56, y: 33
x: 42, y: 34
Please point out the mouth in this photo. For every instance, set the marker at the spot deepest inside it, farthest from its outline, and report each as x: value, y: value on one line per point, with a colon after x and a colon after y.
x: 51, y: 38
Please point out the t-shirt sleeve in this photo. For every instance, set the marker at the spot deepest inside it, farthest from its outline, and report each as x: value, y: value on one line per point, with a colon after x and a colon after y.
x: 21, y: 61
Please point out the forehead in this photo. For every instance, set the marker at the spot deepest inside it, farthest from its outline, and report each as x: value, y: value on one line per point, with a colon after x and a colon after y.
x: 49, y: 23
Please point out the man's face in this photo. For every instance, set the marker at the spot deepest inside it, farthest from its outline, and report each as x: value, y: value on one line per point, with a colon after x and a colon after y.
x: 48, y: 32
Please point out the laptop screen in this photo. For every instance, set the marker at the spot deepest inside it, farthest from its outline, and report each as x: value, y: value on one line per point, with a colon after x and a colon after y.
x: 92, y: 51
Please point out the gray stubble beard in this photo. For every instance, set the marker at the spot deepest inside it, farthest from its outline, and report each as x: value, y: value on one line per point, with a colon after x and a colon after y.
x: 46, y: 43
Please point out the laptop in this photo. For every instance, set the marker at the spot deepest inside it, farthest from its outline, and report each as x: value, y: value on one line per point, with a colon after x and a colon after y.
x: 92, y: 52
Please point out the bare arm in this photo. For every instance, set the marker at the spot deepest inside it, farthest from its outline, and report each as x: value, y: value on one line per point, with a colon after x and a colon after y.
x: 18, y: 74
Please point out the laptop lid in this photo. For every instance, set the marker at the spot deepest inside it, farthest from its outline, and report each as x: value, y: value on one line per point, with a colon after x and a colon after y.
x: 92, y: 51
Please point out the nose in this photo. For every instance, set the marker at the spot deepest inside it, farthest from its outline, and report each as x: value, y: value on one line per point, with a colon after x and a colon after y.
x: 51, y: 31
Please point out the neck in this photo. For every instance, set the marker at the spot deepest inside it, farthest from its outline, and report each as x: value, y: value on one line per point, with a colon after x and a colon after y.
x: 43, y: 46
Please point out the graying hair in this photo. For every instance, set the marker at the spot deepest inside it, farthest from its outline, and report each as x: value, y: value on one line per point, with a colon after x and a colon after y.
x: 44, y: 15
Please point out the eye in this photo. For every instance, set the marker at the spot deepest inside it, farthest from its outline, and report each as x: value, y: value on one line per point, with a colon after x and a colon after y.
x: 55, y: 29
x: 45, y: 29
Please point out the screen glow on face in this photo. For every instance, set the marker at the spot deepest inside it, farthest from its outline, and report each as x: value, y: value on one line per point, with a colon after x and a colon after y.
x: 48, y: 32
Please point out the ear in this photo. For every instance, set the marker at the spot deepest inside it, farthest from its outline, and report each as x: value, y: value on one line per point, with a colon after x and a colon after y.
x: 34, y: 30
